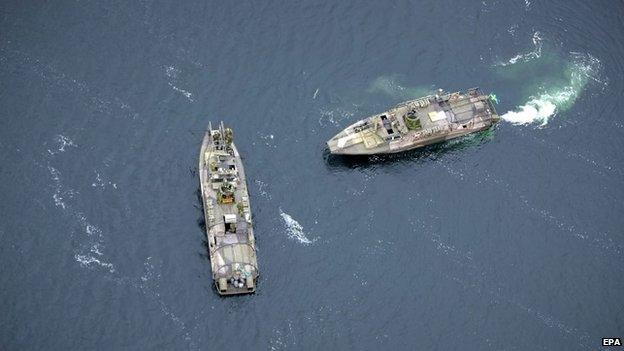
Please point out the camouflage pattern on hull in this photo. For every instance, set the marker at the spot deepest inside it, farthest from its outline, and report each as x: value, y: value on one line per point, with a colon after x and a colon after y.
x: 417, y: 123
x: 227, y: 211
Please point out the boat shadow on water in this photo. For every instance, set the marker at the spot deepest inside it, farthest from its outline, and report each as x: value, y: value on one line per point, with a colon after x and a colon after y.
x: 201, y: 223
x: 420, y: 155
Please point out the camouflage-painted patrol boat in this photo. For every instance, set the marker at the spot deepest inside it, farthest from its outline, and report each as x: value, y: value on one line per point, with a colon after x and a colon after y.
x: 229, y: 228
x: 417, y: 123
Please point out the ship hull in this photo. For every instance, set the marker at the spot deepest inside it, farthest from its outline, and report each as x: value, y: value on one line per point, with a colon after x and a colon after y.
x: 227, y: 214
x: 417, y: 123
x: 387, y: 150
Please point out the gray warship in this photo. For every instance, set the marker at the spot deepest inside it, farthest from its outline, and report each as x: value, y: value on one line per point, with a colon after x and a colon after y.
x: 417, y: 123
x: 227, y: 211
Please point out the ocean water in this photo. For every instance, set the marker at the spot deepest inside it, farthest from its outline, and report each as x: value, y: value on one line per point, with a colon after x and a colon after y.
x: 511, y: 239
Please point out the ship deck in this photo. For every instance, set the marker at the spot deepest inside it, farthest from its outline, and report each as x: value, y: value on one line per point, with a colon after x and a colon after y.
x: 450, y: 114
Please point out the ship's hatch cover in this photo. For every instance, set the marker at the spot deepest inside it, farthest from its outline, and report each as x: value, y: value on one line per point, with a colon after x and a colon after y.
x: 437, y: 116
x: 229, y: 218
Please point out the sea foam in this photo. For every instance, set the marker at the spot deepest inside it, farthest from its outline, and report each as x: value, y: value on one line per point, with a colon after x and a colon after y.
x: 294, y: 229
x: 527, y: 56
x: 544, y: 105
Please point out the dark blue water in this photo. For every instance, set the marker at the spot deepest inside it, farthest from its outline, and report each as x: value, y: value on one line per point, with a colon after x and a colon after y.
x: 507, y: 240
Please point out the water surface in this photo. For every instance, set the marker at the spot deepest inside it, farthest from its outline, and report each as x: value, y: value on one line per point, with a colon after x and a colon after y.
x: 506, y: 240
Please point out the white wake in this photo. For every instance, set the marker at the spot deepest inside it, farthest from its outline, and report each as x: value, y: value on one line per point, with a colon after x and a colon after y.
x: 543, y: 106
x: 527, y: 56
x: 294, y: 229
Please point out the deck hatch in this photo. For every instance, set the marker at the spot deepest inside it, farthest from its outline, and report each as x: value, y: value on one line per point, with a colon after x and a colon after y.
x: 436, y: 116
